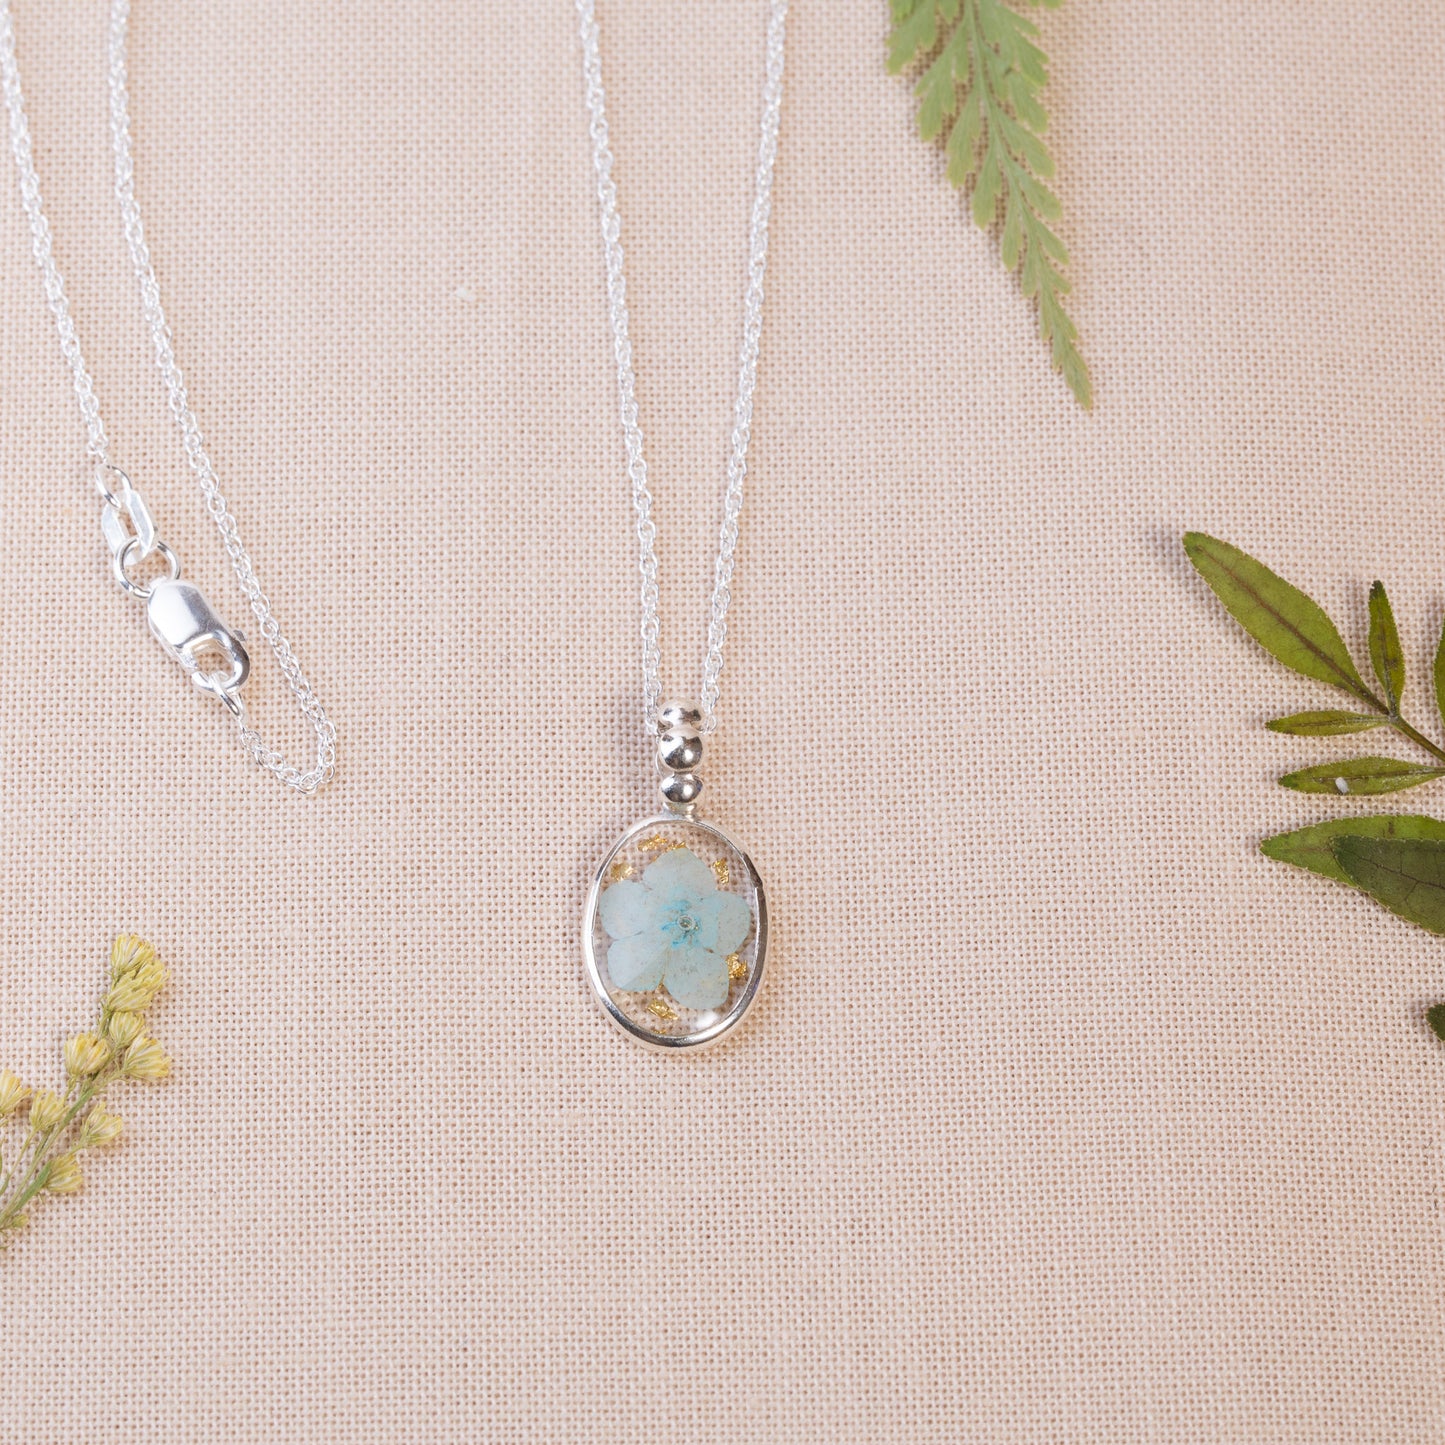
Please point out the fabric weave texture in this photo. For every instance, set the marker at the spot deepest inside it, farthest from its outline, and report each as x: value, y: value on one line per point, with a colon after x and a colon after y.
x: 1064, y: 1115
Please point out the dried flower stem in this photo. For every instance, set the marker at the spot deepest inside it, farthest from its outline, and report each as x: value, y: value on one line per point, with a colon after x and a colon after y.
x: 47, y: 1157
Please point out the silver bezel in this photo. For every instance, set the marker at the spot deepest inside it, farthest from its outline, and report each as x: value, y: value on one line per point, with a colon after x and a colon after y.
x: 715, y: 1031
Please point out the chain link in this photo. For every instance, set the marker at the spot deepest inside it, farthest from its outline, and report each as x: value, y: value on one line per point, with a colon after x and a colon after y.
x: 262, y: 753
x: 642, y: 500
x: 97, y: 444
x: 117, y: 535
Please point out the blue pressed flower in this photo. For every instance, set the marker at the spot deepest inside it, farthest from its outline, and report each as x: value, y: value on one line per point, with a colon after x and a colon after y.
x: 674, y: 929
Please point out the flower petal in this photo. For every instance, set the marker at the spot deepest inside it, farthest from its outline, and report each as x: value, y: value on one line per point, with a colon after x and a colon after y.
x: 724, y: 921
x: 625, y: 909
x: 636, y: 963
x: 679, y: 876
x: 697, y: 977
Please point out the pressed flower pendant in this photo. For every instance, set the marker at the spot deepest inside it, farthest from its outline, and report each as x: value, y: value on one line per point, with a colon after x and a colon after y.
x: 676, y: 932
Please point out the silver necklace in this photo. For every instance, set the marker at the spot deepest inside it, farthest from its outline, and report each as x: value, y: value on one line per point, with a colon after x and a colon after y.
x: 183, y: 621
x: 675, y: 929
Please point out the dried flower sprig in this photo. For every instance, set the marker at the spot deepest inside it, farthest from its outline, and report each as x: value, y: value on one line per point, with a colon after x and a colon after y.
x: 54, y: 1129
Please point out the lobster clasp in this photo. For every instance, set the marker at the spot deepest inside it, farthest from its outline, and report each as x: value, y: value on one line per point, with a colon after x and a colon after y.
x: 186, y: 626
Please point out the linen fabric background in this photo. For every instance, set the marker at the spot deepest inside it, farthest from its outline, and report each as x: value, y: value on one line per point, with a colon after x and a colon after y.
x: 1065, y: 1115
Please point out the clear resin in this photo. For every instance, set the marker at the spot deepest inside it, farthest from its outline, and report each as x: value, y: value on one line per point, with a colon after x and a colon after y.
x: 676, y: 932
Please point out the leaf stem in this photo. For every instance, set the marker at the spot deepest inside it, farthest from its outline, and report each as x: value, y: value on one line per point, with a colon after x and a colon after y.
x: 1394, y: 720
x: 1415, y: 736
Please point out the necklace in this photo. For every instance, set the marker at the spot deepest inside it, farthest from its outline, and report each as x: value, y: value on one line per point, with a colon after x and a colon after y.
x: 675, y: 930
x: 182, y: 620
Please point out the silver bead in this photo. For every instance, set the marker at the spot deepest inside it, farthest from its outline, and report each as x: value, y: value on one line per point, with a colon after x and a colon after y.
x: 679, y: 717
x: 680, y: 790
x: 679, y: 752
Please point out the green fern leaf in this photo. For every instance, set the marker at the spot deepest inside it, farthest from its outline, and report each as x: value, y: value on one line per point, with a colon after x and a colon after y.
x: 939, y: 96
x: 963, y: 140
x: 1011, y: 242
x: 986, y: 188
x: 980, y: 87
x: 915, y: 31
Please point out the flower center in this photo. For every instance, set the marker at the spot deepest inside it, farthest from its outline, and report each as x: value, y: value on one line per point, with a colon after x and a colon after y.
x: 687, y: 923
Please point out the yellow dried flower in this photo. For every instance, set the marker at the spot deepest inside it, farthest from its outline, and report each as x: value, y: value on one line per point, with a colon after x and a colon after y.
x: 85, y: 1055
x: 12, y: 1093
x: 145, y: 1059
x: 64, y: 1176
x: 124, y: 1029
x: 136, y: 987
x: 129, y: 952
x: 47, y: 1109
x: 98, y: 1129
x: 117, y: 1047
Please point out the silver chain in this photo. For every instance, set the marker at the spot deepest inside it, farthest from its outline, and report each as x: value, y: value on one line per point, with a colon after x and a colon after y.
x: 126, y: 518
x: 627, y: 380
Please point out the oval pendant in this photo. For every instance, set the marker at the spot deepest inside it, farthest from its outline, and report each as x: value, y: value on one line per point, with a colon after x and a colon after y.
x: 675, y: 933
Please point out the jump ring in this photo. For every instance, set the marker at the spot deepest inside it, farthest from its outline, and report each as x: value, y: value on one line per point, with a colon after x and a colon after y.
x: 134, y: 589
x: 106, y: 495
x: 233, y: 702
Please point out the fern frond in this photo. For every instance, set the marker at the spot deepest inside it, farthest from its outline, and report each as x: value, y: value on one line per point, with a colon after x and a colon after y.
x: 979, y: 91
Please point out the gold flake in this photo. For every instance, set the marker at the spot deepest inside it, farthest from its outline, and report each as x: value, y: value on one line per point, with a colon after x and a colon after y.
x: 737, y: 969
x: 619, y: 871
x: 720, y: 869
x: 655, y: 844
x: 659, y: 1008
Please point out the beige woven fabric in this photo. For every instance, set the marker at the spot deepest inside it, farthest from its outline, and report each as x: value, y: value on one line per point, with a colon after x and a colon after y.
x: 1066, y: 1116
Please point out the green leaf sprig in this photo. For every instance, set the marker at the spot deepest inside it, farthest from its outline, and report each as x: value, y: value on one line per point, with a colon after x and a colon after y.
x: 982, y: 85
x: 1398, y: 859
